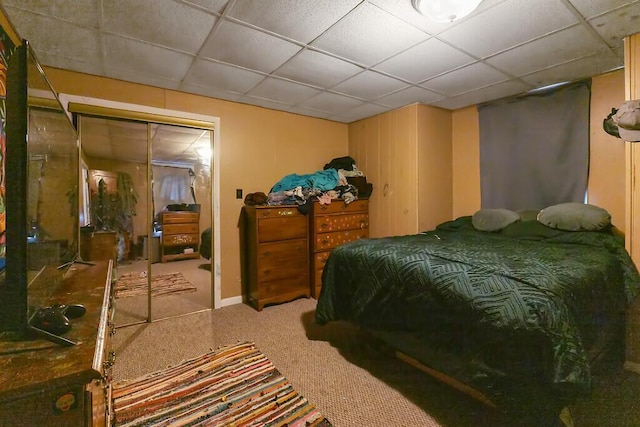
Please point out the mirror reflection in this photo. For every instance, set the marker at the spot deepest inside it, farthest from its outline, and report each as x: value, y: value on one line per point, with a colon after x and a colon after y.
x: 52, y: 187
x: 150, y: 221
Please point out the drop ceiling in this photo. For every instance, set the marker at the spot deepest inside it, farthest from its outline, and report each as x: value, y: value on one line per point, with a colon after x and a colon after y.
x: 340, y: 60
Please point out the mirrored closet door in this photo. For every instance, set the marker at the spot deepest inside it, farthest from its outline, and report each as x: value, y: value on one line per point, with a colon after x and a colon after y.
x: 149, y: 193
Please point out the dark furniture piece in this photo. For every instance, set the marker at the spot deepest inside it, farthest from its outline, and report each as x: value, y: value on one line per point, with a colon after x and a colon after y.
x: 45, y: 384
x: 276, y: 254
x: 520, y: 316
x: 333, y: 225
x: 180, y: 235
x: 98, y: 245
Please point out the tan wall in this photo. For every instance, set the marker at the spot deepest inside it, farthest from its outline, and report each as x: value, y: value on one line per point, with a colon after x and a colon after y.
x: 606, y: 187
x: 607, y: 156
x: 258, y: 147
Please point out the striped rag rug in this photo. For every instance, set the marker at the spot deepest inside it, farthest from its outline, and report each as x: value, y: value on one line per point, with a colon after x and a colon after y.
x: 235, y: 385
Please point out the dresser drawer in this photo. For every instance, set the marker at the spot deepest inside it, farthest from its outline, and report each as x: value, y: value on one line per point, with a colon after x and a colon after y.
x: 276, y: 288
x: 180, y: 239
x: 338, y: 206
x: 186, y: 228
x: 282, y: 259
x: 327, y: 241
x: 180, y: 217
x: 327, y: 223
x: 275, y: 228
x: 320, y: 259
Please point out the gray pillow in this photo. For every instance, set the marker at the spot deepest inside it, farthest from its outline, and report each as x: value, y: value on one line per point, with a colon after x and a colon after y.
x: 493, y: 219
x: 575, y: 217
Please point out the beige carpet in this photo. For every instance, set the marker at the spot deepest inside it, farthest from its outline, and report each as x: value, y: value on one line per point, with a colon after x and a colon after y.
x: 351, y: 382
x: 136, y: 284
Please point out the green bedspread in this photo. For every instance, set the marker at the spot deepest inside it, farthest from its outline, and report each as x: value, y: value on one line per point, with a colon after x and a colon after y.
x: 528, y: 302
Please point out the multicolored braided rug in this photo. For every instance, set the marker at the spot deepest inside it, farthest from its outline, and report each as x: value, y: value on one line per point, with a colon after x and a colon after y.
x: 234, y: 385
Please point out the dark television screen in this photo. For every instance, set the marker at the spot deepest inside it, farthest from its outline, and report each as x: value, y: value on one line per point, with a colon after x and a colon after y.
x: 41, y: 186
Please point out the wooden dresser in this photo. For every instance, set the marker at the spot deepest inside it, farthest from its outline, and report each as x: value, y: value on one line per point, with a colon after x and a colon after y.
x: 180, y: 235
x: 332, y: 225
x: 277, y: 254
x: 45, y: 384
x: 98, y: 245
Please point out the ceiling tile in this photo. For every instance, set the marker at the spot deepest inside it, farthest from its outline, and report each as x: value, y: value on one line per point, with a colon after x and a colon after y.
x: 143, y: 78
x: 316, y: 68
x: 146, y: 21
x: 574, y: 70
x: 563, y: 46
x: 56, y: 37
x: 591, y: 8
x: 616, y: 25
x: 304, y: 21
x: 130, y: 55
x: 223, y: 77
x: 282, y: 91
x: 465, y: 79
x: 212, y: 5
x: 360, y: 112
x: 508, y: 24
x: 266, y: 103
x: 369, y: 85
x: 331, y: 102
x: 240, y: 45
x: 311, y: 112
x: 409, y: 96
x: 424, y: 61
x: 210, y: 92
x: 500, y: 90
x: 83, y: 14
x: 91, y: 63
x: 368, y: 35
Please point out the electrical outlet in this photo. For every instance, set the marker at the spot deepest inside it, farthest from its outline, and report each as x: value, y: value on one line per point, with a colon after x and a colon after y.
x: 239, y: 193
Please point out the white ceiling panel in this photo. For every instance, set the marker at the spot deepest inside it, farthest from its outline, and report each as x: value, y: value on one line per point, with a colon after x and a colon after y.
x: 304, y: 21
x: 330, y: 59
x: 563, y: 46
x: 131, y: 55
x: 615, y: 25
x: 468, y: 78
x: 574, y: 70
x: 368, y: 35
x: 331, y: 102
x: 125, y: 17
x: 240, y: 45
x: 83, y: 14
x: 512, y: 23
x: 283, y: 91
x: 498, y: 91
x: 318, y: 69
x: 222, y: 77
x: 424, y: 61
x: 369, y: 85
x: 410, y: 95
x: 591, y: 8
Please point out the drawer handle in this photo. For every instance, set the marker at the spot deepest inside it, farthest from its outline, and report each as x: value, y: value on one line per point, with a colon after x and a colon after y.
x: 362, y: 224
x: 285, y: 213
x: 267, y: 253
x: 325, y: 241
x: 324, y: 225
x: 265, y: 213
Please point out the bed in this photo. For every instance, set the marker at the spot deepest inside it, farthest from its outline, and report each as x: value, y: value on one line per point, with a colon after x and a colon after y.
x: 516, y: 316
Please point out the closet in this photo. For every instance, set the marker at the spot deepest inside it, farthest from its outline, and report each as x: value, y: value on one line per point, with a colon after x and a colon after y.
x: 149, y: 184
x: 407, y: 154
x: 632, y: 91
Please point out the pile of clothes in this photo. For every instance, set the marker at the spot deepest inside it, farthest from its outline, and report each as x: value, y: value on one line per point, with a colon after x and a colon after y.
x: 340, y: 179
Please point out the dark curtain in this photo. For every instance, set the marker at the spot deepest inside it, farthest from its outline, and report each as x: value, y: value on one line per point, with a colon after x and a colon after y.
x: 534, y: 149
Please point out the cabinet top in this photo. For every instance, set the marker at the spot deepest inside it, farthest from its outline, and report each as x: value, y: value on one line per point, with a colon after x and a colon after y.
x: 28, y: 367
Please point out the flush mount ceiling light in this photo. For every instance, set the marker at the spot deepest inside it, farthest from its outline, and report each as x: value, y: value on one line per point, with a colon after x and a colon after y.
x: 445, y: 10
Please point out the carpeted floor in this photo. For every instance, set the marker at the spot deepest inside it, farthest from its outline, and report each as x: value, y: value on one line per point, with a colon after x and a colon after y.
x: 336, y: 368
x: 233, y: 385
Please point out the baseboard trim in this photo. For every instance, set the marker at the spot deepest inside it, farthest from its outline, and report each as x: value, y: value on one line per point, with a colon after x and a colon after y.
x: 632, y: 366
x: 231, y: 301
